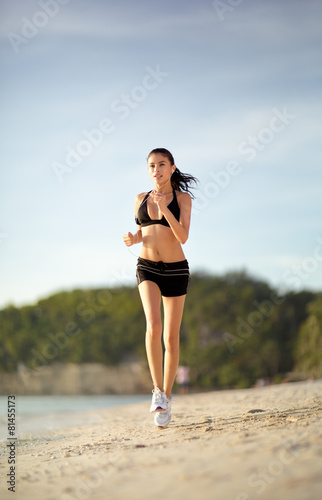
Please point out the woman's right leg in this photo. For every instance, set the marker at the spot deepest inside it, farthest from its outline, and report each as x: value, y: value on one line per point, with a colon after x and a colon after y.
x: 151, y: 300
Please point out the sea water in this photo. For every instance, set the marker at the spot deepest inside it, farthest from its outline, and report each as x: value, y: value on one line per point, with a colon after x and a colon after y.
x: 36, y: 415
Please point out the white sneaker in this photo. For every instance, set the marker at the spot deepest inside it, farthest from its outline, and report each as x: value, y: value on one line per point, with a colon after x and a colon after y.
x: 159, y: 402
x: 163, y: 419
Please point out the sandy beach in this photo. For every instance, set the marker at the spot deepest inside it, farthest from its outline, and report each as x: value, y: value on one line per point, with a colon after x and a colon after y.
x: 246, y: 444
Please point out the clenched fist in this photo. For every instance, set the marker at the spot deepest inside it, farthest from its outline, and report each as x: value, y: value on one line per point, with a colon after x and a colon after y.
x: 129, y: 239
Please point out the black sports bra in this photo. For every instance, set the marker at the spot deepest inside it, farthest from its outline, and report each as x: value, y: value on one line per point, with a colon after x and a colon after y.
x: 143, y: 219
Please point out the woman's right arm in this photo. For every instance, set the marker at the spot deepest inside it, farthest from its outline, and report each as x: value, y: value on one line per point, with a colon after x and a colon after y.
x: 129, y: 238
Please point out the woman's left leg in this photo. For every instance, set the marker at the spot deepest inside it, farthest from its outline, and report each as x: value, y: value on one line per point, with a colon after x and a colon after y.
x: 173, y: 309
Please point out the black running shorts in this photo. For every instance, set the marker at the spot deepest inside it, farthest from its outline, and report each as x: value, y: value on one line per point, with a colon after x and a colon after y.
x: 172, y: 278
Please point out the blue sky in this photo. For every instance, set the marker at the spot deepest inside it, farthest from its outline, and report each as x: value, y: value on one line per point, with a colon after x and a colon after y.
x: 90, y: 87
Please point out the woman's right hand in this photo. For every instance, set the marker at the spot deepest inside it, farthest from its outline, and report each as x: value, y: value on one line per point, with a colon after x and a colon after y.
x: 129, y: 239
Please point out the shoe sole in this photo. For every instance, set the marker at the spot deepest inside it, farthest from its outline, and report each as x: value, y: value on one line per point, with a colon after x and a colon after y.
x: 162, y: 426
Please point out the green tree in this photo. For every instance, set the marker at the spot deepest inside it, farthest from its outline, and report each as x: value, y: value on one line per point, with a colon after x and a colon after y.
x: 308, y: 350
x: 235, y: 330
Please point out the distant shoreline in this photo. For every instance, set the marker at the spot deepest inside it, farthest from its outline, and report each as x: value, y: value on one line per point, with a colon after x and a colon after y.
x: 85, y: 379
x: 77, y: 379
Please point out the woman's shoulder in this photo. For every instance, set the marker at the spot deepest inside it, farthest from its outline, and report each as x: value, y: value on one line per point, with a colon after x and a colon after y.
x: 183, y: 197
x: 139, y: 197
x: 138, y: 200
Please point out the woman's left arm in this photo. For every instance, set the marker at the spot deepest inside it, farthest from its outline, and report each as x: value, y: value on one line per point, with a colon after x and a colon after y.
x: 180, y: 228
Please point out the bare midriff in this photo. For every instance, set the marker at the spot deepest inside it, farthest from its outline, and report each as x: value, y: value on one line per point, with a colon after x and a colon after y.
x: 160, y: 244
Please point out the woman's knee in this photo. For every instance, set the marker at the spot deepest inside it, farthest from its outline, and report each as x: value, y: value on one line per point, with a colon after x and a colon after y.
x: 154, y: 328
x: 171, y: 343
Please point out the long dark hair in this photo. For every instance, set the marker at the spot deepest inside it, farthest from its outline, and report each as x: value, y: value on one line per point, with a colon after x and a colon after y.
x: 179, y: 180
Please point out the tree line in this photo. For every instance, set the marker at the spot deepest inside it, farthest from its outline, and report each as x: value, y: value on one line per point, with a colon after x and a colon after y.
x: 236, y: 330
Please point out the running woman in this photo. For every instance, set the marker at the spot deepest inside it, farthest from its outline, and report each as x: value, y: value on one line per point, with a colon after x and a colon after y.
x: 163, y: 219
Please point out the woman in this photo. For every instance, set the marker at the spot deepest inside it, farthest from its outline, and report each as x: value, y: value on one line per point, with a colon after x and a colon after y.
x: 163, y: 218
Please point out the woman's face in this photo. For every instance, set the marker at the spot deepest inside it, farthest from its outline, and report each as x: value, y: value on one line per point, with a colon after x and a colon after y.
x: 160, y: 169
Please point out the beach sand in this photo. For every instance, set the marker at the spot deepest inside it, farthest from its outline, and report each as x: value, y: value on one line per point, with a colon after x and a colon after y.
x: 246, y: 444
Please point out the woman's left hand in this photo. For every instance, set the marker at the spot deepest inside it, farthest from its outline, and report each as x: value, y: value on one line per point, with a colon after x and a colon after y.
x: 160, y: 200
